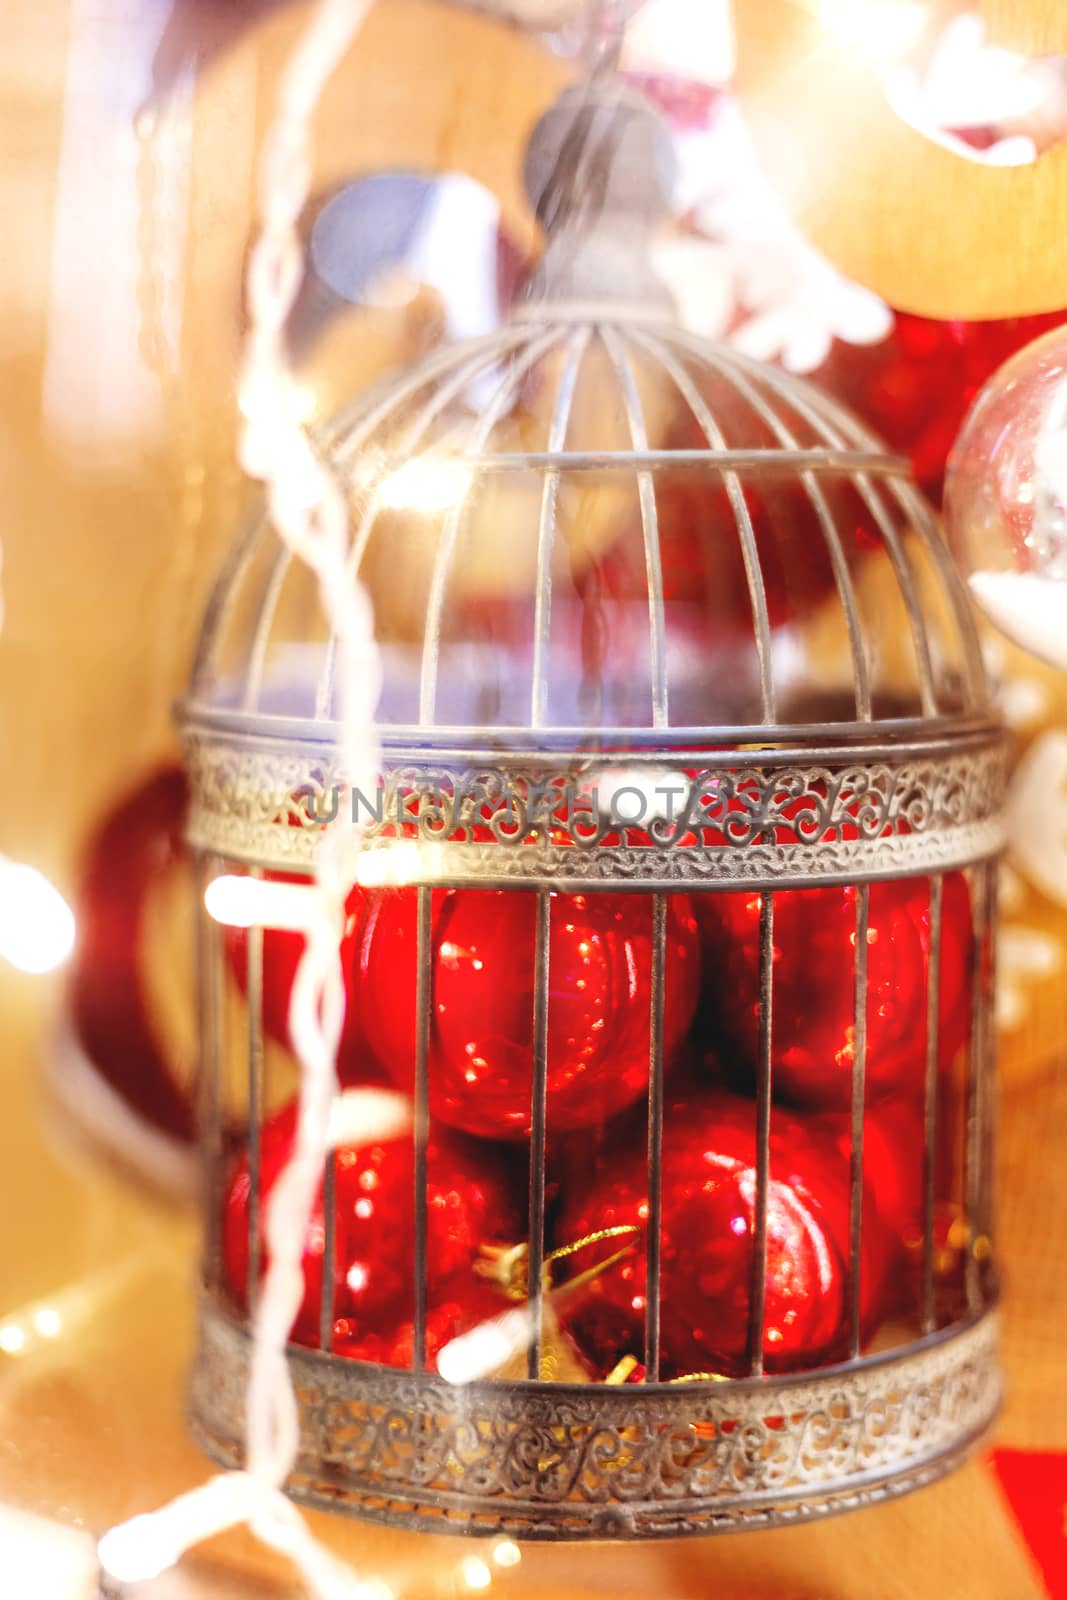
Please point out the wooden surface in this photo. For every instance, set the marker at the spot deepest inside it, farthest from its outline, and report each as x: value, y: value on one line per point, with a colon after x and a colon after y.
x: 927, y: 230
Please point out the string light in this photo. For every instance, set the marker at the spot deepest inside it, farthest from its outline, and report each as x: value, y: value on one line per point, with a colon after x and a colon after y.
x: 475, y: 1573
x: 243, y: 902
x: 47, y: 1322
x: 425, y: 484
x: 486, y: 1348
x: 309, y: 512
x: 239, y: 902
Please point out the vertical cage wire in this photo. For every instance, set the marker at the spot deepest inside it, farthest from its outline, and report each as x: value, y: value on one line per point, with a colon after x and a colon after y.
x: 546, y: 531
x: 931, y: 1087
x: 480, y: 356
x: 657, y: 622
x: 705, y: 420
x: 911, y: 504
x: 538, y: 1118
x: 988, y: 1151
x: 656, y: 1068
x: 734, y: 373
x: 329, y: 1250
x: 254, y: 990
x: 209, y: 976
x: 494, y: 410
x: 764, y: 1071
x: 975, y: 1075
x: 859, y: 1093
x: 873, y: 501
x: 421, y: 1122
x: 975, y: 1189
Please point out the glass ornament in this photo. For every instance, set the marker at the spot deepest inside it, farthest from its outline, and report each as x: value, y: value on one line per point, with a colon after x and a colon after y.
x: 1006, y: 498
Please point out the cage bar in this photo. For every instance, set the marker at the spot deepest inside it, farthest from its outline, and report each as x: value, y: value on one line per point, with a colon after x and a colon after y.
x: 859, y: 1085
x: 421, y: 1119
x: 209, y: 977
x: 538, y: 1117
x: 988, y: 1155
x: 254, y: 979
x: 329, y: 1250
x: 757, y: 1307
x: 930, y: 1108
x: 654, y: 1228
x: 975, y: 1074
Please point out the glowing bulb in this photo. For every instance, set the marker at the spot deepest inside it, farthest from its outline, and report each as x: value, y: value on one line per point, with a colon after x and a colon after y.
x: 425, y: 484
x: 365, y: 1116
x: 136, y: 1551
x: 47, y: 1322
x: 485, y: 1348
x: 255, y: 902
x: 12, y: 1339
x: 475, y: 1573
x: 399, y: 863
x: 873, y: 28
x: 36, y: 923
x: 506, y: 1553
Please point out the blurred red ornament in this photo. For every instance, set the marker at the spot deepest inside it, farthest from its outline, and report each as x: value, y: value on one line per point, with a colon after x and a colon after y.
x: 469, y: 1203
x: 708, y: 1219
x: 136, y: 850
x: 813, y: 1032
x: 455, y: 1308
x: 915, y: 388
x: 481, y: 1056
x: 894, y: 1185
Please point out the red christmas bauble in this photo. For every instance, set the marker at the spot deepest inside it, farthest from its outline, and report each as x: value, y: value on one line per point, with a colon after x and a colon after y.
x: 135, y: 852
x: 894, y: 1139
x: 481, y: 1060
x: 814, y: 969
x: 914, y: 387
x: 708, y: 1218
x: 469, y: 1203
x: 454, y: 1309
x: 281, y: 957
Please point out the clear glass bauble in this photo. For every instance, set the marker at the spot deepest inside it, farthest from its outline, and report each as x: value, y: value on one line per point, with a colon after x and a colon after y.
x: 1006, y: 498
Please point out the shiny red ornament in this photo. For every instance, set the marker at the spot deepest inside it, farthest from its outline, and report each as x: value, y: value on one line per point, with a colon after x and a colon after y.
x: 281, y: 957
x: 469, y: 1203
x: 813, y: 1035
x: 915, y: 387
x: 481, y: 1056
x: 137, y: 849
x: 708, y: 1218
x: 895, y: 1174
x: 454, y: 1309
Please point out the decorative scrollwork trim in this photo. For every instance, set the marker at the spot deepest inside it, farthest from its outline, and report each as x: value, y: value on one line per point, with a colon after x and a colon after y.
x: 724, y: 819
x: 566, y: 1461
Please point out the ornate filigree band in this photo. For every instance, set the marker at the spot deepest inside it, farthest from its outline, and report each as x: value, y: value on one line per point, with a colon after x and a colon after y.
x: 723, y: 818
x: 559, y: 1461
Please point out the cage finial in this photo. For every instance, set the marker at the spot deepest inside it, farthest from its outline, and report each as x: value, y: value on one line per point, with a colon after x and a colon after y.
x: 599, y: 172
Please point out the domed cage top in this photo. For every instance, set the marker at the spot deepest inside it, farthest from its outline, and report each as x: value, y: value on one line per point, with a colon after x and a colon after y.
x: 656, y: 620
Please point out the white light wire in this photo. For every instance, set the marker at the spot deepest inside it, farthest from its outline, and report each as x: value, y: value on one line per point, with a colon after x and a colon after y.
x: 308, y: 509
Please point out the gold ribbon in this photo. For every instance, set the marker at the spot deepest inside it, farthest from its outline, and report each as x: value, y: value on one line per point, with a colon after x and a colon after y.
x: 508, y: 1265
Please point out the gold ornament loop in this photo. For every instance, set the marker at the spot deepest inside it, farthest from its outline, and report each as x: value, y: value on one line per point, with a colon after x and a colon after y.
x: 508, y: 1265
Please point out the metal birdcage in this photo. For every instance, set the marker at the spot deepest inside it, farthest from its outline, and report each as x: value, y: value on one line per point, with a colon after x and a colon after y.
x: 610, y: 559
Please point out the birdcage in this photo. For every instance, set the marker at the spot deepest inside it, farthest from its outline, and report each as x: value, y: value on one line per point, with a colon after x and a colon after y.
x: 673, y: 922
